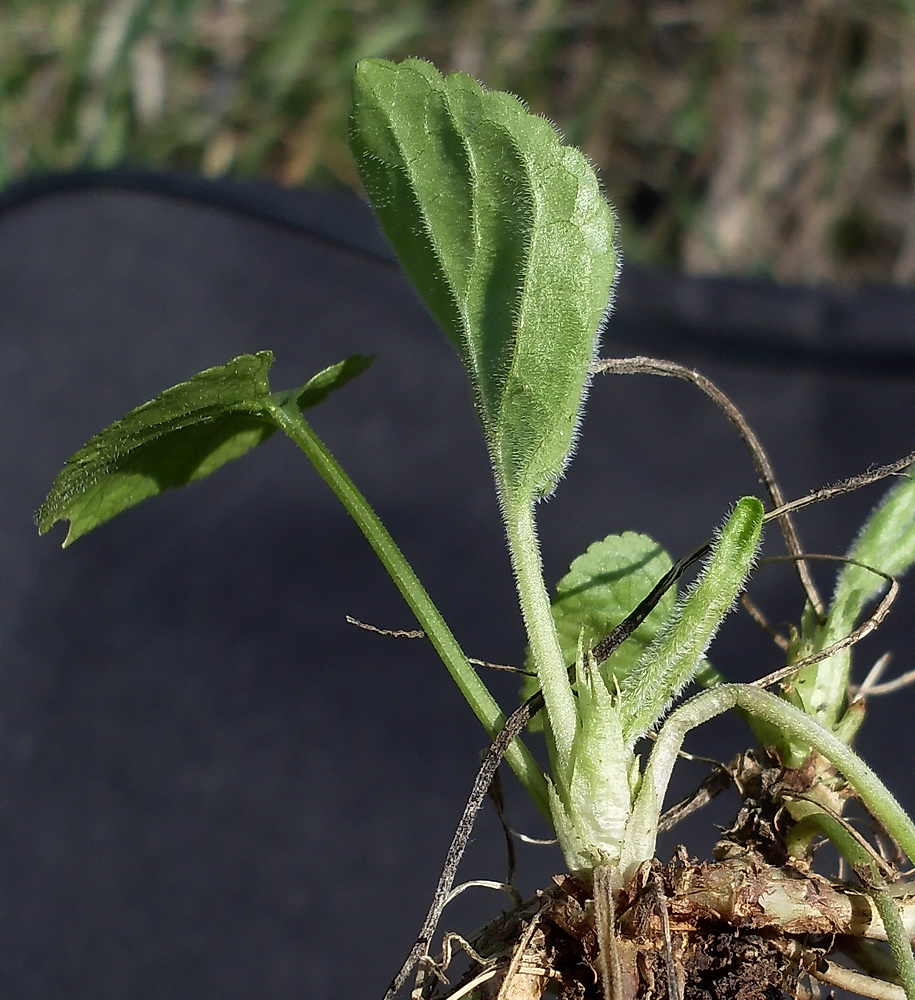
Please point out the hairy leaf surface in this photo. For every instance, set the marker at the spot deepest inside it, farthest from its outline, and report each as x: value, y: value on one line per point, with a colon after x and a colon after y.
x: 672, y: 660
x: 506, y: 236
x: 886, y: 543
x: 602, y: 586
x: 184, y: 434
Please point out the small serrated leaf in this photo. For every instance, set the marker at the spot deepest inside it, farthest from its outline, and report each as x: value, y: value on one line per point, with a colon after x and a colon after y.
x: 185, y: 433
x: 508, y: 240
x: 317, y: 388
x: 602, y: 586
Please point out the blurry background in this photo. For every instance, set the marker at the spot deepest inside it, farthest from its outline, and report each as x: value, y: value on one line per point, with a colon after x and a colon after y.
x: 754, y: 138
x: 210, y: 784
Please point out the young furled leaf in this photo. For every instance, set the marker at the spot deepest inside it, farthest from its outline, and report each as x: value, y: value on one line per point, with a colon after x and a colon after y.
x: 184, y: 434
x: 886, y: 542
x: 506, y: 236
x: 671, y: 661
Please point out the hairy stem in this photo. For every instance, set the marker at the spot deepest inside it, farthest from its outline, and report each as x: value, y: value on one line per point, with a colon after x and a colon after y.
x: 794, y: 723
x: 869, y: 871
x: 541, y: 631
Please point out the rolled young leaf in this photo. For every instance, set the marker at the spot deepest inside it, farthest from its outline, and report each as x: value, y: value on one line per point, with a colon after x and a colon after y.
x: 508, y: 240
x: 887, y: 543
x: 590, y: 800
x: 671, y: 661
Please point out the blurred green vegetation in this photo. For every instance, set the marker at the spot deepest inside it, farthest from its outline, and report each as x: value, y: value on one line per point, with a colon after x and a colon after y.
x: 764, y: 138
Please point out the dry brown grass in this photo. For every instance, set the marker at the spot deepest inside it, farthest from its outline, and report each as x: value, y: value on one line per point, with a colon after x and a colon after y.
x: 772, y: 139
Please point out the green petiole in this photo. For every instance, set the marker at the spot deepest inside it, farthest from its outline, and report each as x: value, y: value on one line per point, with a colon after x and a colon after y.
x: 427, y: 614
x: 552, y: 670
x: 794, y: 723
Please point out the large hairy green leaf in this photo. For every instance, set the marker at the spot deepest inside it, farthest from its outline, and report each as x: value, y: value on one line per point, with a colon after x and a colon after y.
x: 507, y: 238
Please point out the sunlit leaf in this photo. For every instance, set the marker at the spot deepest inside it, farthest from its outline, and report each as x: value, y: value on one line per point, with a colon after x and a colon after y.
x: 672, y: 660
x: 602, y: 586
x: 507, y: 238
x: 184, y: 434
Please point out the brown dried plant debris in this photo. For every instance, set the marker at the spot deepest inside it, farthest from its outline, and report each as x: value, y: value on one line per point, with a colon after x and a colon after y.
x: 713, y: 958
x: 754, y: 924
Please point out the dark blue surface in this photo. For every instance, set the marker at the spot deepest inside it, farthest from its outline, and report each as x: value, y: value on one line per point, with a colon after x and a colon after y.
x: 210, y: 784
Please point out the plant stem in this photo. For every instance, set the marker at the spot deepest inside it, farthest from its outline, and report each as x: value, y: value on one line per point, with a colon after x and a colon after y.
x: 880, y: 893
x: 795, y: 724
x: 774, y: 711
x: 541, y: 631
x: 606, y: 886
x: 427, y: 614
x: 900, y: 945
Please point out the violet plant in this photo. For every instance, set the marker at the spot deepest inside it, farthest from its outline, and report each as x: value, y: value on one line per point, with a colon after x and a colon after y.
x: 507, y: 238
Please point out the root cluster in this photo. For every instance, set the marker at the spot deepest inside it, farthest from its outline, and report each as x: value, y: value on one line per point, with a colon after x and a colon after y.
x: 753, y: 924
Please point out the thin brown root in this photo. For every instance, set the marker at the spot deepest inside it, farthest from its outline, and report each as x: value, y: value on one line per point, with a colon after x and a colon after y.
x: 654, y: 366
x: 507, y: 667
x: 877, y: 858
x: 509, y: 832
x: 440, y: 967
x: 534, y: 977
x: 656, y: 885
x: 618, y: 635
x: 418, y: 633
x: 514, y: 726
x: 468, y: 988
x: 843, y: 487
x: 483, y: 883
x: 535, y: 841
x: 855, y: 636
x: 395, y: 633
x: 870, y: 689
x: 497, y: 798
x: 757, y: 615
x: 872, y: 678
x: 738, y: 926
x: 712, y: 785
